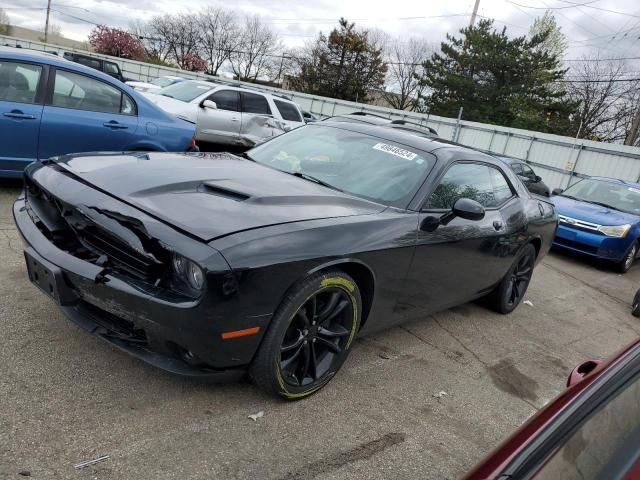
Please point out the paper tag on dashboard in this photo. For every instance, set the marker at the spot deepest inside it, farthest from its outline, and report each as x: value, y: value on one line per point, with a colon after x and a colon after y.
x: 398, y: 152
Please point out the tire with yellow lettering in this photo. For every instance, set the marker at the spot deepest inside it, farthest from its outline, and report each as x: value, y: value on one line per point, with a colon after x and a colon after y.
x: 309, y: 336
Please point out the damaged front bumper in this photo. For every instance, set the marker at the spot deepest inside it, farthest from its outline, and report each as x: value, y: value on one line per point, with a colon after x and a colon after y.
x: 169, y: 330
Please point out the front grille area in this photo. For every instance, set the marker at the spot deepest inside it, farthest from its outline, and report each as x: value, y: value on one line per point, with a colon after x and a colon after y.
x: 579, y: 225
x: 71, y: 230
x: 118, y: 253
x: 115, y: 326
x: 577, y: 245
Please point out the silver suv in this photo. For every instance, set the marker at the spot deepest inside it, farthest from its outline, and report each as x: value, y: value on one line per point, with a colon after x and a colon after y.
x: 229, y: 114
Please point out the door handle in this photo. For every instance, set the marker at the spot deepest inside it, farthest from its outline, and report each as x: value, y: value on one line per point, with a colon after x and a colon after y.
x: 497, y: 225
x: 115, y: 125
x: 19, y: 115
x: 235, y: 119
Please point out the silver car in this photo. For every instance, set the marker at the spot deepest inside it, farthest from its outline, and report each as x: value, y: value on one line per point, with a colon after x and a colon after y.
x: 227, y: 114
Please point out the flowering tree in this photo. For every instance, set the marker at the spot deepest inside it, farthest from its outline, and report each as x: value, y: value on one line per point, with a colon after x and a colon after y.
x: 116, y: 42
x: 193, y: 62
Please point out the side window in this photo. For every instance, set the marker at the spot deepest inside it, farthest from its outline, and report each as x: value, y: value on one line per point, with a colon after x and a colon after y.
x: 254, y: 103
x: 111, y: 69
x: 528, y: 172
x: 226, y: 100
x: 604, y: 445
x: 89, y: 62
x: 19, y: 81
x: 517, y: 168
x: 84, y: 93
x: 288, y: 111
x: 482, y: 183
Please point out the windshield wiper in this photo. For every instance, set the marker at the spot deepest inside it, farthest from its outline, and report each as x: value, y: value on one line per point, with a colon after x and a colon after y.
x: 314, y: 179
x: 246, y: 156
x: 167, y: 95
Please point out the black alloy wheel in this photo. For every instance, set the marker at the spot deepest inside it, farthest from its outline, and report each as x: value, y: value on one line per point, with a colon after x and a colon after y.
x: 309, y: 336
x: 317, y: 335
x: 519, y: 279
x: 511, y: 290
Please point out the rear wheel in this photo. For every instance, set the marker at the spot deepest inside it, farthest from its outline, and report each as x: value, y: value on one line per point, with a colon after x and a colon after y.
x: 629, y: 258
x: 309, y: 337
x: 510, y: 292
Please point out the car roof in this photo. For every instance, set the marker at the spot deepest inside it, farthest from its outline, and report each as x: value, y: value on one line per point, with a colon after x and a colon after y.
x: 409, y: 138
x: 616, y: 180
x: 28, y: 55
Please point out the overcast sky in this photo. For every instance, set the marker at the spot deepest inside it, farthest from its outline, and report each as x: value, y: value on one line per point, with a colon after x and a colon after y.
x: 588, y: 27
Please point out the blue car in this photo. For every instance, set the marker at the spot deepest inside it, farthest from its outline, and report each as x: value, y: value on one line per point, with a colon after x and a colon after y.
x: 600, y: 217
x: 50, y: 106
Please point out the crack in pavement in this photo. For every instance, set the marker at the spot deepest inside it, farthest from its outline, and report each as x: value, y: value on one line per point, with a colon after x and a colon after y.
x: 460, y: 342
x: 364, y: 451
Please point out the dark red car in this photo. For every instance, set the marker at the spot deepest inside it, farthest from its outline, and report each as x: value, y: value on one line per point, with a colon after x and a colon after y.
x: 590, y: 431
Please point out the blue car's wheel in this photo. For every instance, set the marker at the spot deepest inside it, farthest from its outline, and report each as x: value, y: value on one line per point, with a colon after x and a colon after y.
x: 629, y: 258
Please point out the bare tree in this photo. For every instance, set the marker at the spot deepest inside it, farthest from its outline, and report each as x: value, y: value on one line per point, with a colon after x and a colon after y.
x: 220, y: 35
x: 602, y: 92
x: 172, y: 37
x: 258, y: 45
x: 152, y: 34
x: 405, y: 60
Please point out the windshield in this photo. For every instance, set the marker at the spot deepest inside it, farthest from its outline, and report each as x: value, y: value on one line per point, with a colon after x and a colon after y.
x: 163, y: 82
x: 363, y: 165
x: 185, y: 91
x: 617, y: 196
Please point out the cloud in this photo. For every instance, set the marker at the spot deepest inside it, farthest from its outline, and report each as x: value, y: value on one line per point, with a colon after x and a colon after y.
x: 586, y: 29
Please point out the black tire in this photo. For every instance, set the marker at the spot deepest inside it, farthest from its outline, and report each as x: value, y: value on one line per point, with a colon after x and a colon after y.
x: 635, y: 306
x: 309, y: 336
x: 510, y: 291
x: 629, y: 258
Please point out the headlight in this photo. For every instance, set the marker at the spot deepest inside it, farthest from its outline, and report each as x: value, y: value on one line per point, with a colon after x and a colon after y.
x: 615, y: 230
x: 188, y: 271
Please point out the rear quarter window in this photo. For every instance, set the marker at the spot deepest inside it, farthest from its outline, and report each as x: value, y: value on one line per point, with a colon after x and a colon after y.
x: 288, y: 111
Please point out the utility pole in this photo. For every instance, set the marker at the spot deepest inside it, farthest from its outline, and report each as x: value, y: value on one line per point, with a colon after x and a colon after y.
x: 475, y: 12
x: 46, y: 23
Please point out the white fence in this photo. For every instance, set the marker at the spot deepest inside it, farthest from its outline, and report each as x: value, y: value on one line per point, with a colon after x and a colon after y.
x: 559, y: 160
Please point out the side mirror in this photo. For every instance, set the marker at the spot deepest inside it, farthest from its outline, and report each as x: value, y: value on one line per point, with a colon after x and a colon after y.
x: 209, y: 104
x: 557, y: 191
x: 468, y: 209
x: 582, y: 371
x: 537, y: 179
x: 463, y: 208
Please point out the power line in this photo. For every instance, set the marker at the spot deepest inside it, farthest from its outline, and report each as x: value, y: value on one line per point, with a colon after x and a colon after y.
x: 604, y: 9
x: 553, y: 8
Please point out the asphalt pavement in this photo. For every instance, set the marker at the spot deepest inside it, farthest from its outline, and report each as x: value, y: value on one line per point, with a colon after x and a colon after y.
x: 424, y: 400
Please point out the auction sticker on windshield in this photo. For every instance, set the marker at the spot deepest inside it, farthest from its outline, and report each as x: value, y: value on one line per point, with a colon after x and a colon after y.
x: 398, y: 152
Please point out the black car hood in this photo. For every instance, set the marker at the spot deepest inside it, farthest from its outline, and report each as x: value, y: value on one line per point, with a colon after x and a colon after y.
x: 211, y: 195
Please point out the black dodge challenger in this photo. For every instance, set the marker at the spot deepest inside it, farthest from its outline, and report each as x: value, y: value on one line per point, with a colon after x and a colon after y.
x: 273, y: 261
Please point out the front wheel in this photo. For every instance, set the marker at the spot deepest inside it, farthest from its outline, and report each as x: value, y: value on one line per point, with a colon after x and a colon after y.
x: 510, y: 291
x: 309, y: 337
x: 629, y: 258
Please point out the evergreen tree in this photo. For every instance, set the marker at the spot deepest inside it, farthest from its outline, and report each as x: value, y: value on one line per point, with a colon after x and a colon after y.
x: 499, y: 80
x: 346, y: 65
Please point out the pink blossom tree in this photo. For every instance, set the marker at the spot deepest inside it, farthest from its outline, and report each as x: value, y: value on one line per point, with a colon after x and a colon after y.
x: 193, y: 62
x: 116, y: 42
